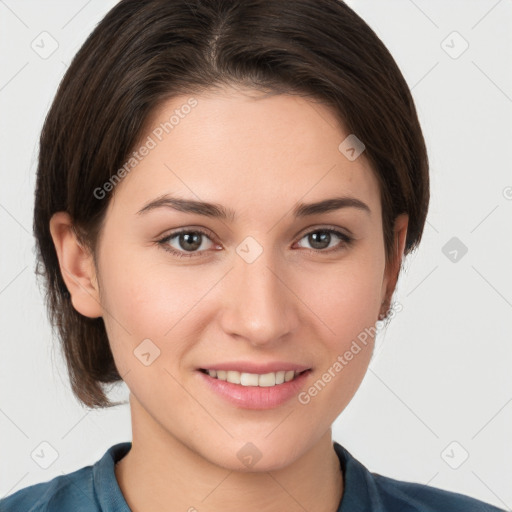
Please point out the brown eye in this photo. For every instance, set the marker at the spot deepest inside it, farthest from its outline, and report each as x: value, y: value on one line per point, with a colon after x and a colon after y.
x: 185, y: 241
x: 321, y: 239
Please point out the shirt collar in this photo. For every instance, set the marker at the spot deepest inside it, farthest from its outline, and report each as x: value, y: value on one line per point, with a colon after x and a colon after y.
x: 107, y: 489
x: 359, y: 493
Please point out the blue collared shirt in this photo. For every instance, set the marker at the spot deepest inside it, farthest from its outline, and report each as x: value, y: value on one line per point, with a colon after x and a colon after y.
x: 95, y: 489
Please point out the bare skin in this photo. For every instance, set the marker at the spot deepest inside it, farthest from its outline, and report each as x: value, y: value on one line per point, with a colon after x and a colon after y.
x: 296, y: 302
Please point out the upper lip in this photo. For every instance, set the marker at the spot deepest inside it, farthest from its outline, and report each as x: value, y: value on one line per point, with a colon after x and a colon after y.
x: 260, y: 368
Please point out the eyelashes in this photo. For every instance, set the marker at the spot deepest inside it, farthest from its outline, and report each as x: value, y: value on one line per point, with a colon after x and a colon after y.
x: 164, y: 242
x: 346, y: 241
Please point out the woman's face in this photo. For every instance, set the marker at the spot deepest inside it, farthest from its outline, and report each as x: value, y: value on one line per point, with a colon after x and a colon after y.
x: 263, y: 290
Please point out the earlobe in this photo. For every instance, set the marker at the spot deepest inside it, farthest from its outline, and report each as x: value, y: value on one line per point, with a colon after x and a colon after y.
x: 76, y: 266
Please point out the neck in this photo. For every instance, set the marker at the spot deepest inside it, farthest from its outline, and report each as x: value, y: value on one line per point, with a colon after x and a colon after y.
x: 161, y: 473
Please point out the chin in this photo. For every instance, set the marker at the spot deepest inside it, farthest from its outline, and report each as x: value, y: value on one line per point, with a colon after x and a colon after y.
x: 258, y: 456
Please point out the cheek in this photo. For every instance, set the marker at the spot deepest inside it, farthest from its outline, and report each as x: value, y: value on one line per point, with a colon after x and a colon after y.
x: 345, y: 298
x: 348, y: 311
x: 147, y: 300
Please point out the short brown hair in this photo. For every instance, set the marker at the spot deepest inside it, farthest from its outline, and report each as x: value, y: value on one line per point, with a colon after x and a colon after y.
x: 145, y: 52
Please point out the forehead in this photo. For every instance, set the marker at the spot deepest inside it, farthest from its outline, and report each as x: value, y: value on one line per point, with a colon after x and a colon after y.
x: 245, y: 150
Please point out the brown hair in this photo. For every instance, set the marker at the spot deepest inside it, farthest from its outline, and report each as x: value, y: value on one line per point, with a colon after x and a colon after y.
x: 147, y: 51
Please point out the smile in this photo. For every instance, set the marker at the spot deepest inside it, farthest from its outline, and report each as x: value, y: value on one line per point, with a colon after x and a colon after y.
x: 253, y: 379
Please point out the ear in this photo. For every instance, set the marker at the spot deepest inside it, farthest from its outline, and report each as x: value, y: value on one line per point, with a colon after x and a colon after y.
x: 76, y: 266
x: 393, y: 267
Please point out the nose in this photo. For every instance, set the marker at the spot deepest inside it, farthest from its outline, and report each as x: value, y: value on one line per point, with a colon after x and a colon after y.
x: 260, y: 307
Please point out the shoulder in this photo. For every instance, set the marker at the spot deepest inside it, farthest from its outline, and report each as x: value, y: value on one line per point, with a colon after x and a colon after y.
x: 371, y: 491
x: 73, y: 491
x: 91, y: 488
x: 415, y: 497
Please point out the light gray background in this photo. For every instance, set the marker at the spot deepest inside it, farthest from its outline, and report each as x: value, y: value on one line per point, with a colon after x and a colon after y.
x: 441, y: 371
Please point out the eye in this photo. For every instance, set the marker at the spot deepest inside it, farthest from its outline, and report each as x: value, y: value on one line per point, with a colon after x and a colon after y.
x: 187, y: 243
x: 190, y: 242
x: 320, y: 239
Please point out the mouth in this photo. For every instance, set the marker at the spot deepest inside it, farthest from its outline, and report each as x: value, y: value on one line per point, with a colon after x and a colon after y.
x: 262, y: 380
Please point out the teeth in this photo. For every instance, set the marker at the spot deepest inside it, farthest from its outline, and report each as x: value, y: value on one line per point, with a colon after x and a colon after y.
x: 289, y: 376
x: 266, y: 380
x: 248, y: 379
x: 254, y: 379
x: 233, y: 377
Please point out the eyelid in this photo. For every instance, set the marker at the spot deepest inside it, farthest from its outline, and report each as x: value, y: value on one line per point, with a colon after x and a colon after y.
x: 327, y: 227
x: 346, y: 239
x: 163, y: 240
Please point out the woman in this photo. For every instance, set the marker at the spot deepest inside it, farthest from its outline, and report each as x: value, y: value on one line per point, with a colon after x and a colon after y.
x: 225, y: 194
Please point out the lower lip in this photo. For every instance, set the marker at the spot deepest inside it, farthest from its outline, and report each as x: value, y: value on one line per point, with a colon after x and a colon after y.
x: 255, y: 397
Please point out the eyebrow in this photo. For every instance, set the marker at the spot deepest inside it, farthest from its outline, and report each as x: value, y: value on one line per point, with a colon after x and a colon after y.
x: 216, y: 210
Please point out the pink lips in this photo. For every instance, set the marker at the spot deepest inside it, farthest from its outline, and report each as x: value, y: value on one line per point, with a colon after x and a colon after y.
x: 255, y: 397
